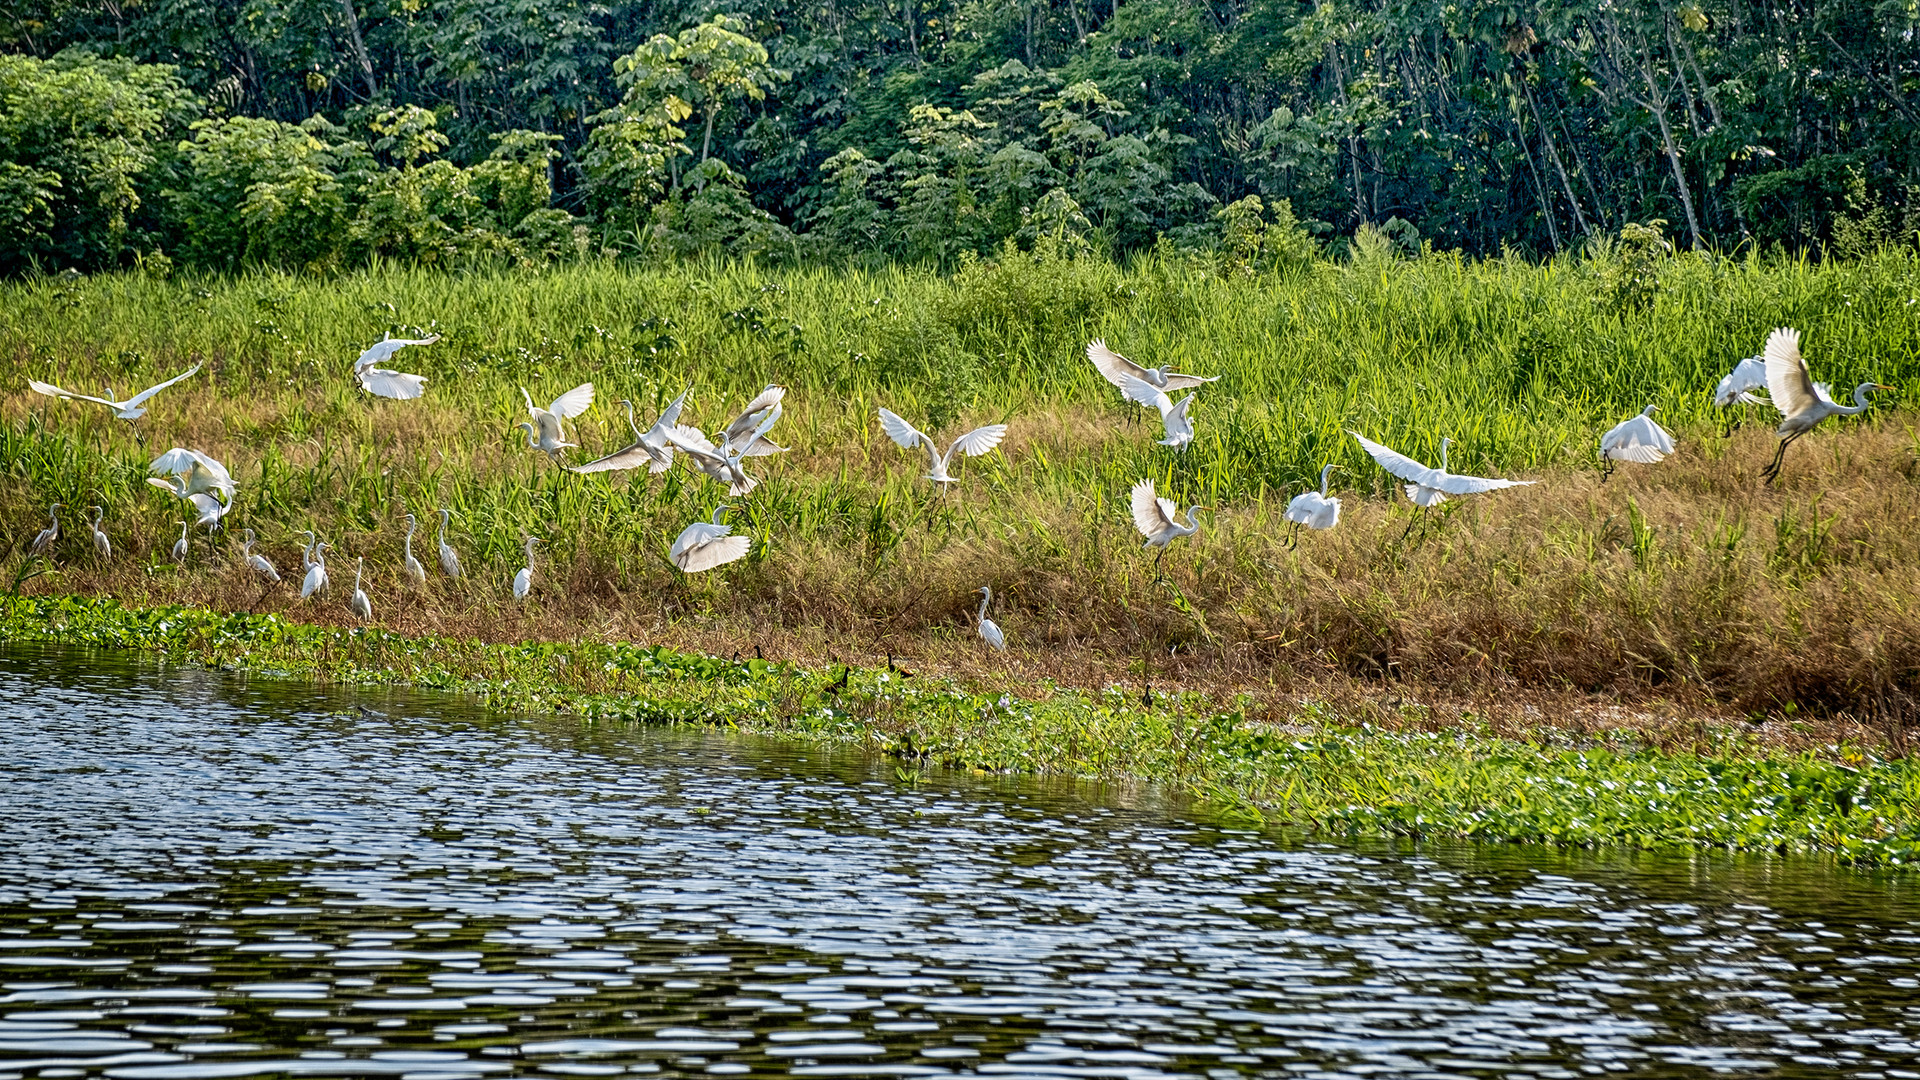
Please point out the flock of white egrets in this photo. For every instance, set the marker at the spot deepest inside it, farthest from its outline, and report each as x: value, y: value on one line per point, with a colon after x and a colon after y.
x: 204, y: 484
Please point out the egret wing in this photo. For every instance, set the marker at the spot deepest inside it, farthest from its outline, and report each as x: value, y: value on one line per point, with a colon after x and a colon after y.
x: 1178, y: 381
x: 749, y: 416
x: 1788, y: 383
x: 573, y: 402
x: 1455, y: 484
x: 980, y: 440
x: 1145, y: 393
x: 991, y: 632
x: 1112, y: 366
x: 700, y: 532
x: 152, y: 390
x: 1747, y: 375
x: 714, y: 553
x: 1151, y: 515
x: 693, y: 442
x: 756, y: 445
x: 671, y: 416
x: 1302, y: 507
x: 393, y: 384
x: 53, y: 391
x: 630, y: 458
x: 901, y: 432
x: 1397, y: 463
x: 1638, y: 440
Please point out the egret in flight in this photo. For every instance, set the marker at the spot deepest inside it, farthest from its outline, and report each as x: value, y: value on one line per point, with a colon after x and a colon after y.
x: 1315, y: 509
x: 1803, y: 402
x: 1116, y: 369
x: 546, y: 431
x: 449, y: 561
x: 1637, y: 439
x: 101, y: 545
x: 1430, y: 487
x: 361, y: 607
x: 1737, y: 386
x: 51, y: 533
x: 180, y: 545
x: 1154, y: 517
x: 382, y: 382
x: 523, y: 581
x: 129, y: 410
x: 705, y: 545
x: 408, y: 564
x: 974, y: 443
x: 259, y: 563
x: 724, y: 462
x: 989, y: 630
x: 753, y: 423
x: 650, y: 448
x: 1173, y: 416
x: 195, y: 478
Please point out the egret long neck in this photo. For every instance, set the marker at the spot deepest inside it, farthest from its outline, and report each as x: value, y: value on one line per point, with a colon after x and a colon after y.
x: 986, y: 597
x: 1324, y: 473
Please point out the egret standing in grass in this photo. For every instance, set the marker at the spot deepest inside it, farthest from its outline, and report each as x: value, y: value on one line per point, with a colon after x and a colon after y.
x: 129, y: 410
x: 449, y: 561
x: 989, y: 630
x: 46, y: 537
x: 259, y: 563
x: 523, y: 581
x: 1173, y: 417
x: 410, y: 565
x: 1154, y: 517
x: 546, y: 432
x: 1637, y: 439
x: 180, y: 545
x: 1803, y: 402
x: 316, y: 579
x: 1314, y: 509
x: 361, y: 607
x: 101, y: 545
x: 974, y: 443
x: 705, y: 545
x: 382, y: 382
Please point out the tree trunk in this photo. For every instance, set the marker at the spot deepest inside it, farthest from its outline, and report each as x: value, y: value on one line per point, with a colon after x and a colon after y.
x: 359, y: 47
x: 1659, y: 110
x: 1553, y: 155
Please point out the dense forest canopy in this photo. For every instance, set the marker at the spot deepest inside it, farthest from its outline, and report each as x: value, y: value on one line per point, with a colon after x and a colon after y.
x: 311, y: 134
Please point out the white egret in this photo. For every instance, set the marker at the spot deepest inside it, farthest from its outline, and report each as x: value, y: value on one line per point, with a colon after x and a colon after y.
x: 723, y: 463
x: 974, y: 443
x: 449, y: 561
x: 193, y: 477
x: 1116, y: 369
x: 361, y: 607
x: 259, y: 563
x: 650, y: 448
x: 1737, y: 386
x: 1637, y: 439
x: 386, y: 383
x: 316, y: 579
x: 1803, y: 402
x: 306, y: 551
x: 408, y: 563
x: 523, y: 581
x: 546, y: 432
x: 180, y: 545
x: 705, y: 545
x: 1173, y: 416
x: 1154, y: 517
x: 1315, y: 509
x: 101, y: 545
x: 989, y: 630
x: 46, y: 537
x: 129, y: 410
x: 1426, y: 486
x: 752, y: 422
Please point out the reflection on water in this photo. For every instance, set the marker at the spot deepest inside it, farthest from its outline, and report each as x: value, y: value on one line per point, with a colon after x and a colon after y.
x: 204, y: 876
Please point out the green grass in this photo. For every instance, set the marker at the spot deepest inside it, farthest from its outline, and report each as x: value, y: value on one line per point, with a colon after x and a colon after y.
x: 1313, y: 770
x: 1686, y: 579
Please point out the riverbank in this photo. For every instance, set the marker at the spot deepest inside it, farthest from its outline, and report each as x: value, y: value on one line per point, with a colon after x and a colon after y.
x: 1313, y: 767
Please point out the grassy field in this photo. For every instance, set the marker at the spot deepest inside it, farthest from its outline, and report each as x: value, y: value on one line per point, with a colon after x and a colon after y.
x: 1686, y: 586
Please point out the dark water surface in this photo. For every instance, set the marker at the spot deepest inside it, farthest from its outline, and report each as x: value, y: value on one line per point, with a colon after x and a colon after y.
x: 209, y: 876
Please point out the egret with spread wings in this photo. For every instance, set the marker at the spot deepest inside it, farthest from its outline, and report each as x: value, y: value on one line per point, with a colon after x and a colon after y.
x: 1637, y: 439
x: 974, y: 443
x: 649, y: 448
x: 1116, y: 369
x: 129, y: 410
x: 752, y: 422
x: 1173, y: 417
x: 384, y: 382
x: 724, y: 462
x: 546, y: 431
x: 195, y: 478
x: 1803, y: 402
x: 704, y: 545
x: 1156, y: 520
x: 1428, y: 486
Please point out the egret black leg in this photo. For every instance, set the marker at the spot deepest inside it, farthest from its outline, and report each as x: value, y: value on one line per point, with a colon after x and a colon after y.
x: 1606, y: 469
x: 1772, y: 471
x: 1293, y: 536
x: 1415, y: 517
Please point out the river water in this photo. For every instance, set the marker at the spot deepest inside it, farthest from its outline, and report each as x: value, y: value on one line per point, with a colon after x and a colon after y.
x: 203, y: 875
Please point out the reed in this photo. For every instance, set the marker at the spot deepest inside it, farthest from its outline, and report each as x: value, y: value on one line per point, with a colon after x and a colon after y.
x: 1687, y: 581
